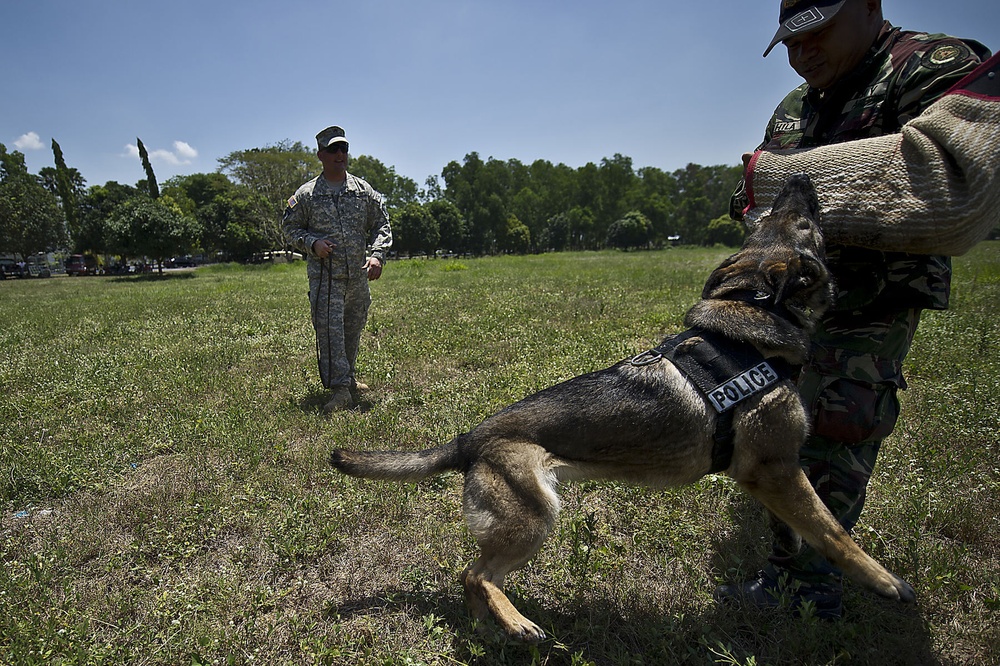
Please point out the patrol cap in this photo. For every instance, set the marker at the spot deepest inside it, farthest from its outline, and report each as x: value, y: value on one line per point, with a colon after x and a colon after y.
x: 330, y: 135
x: 798, y: 16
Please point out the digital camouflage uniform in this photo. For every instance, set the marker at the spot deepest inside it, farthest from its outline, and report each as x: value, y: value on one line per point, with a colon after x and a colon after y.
x: 855, y: 369
x: 354, y: 218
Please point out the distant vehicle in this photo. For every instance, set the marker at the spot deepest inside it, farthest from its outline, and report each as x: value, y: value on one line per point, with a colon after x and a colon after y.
x: 187, y: 261
x: 10, y: 269
x: 76, y: 265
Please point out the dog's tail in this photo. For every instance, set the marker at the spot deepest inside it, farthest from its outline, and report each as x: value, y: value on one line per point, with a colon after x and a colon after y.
x: 400, y: 465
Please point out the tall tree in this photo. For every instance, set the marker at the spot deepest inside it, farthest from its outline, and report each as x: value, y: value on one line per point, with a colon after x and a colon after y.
x: 154, y: 190
x: 66, y: 189
x: 30, y: 219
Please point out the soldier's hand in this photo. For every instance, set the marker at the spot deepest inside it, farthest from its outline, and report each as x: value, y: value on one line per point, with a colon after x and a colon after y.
x: 374, y: 268
x: 322, y: 248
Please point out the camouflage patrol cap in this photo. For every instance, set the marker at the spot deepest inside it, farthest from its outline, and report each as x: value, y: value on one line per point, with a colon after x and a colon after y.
x: 798, y: 16
x: 330, y: 135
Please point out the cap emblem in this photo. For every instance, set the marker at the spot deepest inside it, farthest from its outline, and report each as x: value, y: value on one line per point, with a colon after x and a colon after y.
x: 804, y: 20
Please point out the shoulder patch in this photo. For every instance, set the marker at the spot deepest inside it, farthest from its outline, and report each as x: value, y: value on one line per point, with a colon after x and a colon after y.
x: 292, y: 201
x: 944, y: 55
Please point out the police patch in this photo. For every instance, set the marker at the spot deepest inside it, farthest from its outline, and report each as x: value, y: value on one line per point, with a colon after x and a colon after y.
x: 742, y: 386
x: 944, y: 55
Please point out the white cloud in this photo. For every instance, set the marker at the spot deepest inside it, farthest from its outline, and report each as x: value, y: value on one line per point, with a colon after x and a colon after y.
x: 29, y: 141
x: 182, y: 154
x: 185, y: 151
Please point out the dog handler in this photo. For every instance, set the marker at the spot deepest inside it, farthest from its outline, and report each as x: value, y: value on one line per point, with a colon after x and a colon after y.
x: 864, y: 78
x: 340, y: 223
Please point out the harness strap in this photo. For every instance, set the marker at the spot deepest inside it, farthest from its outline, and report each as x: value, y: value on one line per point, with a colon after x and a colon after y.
x: 725, y: 371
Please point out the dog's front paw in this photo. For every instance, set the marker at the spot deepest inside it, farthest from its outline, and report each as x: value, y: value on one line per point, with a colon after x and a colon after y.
x: 907, y: 595
x: 525, y: 630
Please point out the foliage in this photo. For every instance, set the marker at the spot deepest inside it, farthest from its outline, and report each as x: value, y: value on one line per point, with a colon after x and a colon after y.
x: 151, y: 187
x: 478, y: 207
x: 151, y: 228
x: 724, y: 230
x: 232, y: 228
x: 270, y: 176
x: 415, y: 230
x: 397, y: 190
x: 451, y: 225
x: 516, y: 237
x: 68, y: 184
x: 97, y: 207
x: 30, y: 219
x: 632, y: 231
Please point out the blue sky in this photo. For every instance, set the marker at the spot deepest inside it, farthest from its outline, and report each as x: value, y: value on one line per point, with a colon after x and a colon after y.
x: 415, y: 83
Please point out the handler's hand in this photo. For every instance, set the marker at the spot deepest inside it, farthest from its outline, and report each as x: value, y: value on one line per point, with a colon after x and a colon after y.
x: 322, y: 248
x: 374, y: 268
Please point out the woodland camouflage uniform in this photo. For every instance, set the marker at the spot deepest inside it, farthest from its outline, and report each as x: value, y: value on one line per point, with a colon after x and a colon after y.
x: 353, y: 216
x: 855, y: 370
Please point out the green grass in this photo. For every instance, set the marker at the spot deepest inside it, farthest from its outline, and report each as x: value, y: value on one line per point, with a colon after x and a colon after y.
x: 165, y: 496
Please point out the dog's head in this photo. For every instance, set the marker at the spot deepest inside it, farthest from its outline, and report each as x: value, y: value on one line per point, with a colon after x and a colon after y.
x: 781, y: 263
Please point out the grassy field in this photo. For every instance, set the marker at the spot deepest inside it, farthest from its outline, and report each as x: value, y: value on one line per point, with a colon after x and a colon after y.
x: 165, y: 496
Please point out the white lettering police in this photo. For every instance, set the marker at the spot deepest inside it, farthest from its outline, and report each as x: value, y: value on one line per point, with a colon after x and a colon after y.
x: 742, y: 386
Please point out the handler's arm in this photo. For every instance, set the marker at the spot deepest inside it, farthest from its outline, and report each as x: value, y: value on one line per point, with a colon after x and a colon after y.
x: 932, y: 189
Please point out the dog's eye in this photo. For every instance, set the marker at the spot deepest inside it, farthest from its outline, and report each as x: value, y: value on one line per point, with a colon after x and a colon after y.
x: 805, y: 225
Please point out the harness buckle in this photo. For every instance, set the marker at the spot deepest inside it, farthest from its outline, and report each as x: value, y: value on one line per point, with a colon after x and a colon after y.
x: 646, y: 358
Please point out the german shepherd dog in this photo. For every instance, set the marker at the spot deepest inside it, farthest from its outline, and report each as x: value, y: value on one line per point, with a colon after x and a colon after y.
x: 645, y: 422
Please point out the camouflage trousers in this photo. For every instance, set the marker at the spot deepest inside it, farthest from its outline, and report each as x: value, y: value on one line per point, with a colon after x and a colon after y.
x: 339, y: 312
x: 850, y: 387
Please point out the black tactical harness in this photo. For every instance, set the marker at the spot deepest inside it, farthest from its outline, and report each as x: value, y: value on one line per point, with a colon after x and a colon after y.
x: 725, y: 371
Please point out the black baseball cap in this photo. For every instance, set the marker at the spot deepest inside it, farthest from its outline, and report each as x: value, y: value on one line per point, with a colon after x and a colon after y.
x: 798, y: 16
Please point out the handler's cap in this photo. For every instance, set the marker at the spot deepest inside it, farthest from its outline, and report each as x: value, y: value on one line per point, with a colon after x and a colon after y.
x: 798, y: 16
x: 329, y: 136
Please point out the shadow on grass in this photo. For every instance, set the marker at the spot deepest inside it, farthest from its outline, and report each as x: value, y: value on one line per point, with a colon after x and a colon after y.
x: 604, y: 633
x: 315, y: 400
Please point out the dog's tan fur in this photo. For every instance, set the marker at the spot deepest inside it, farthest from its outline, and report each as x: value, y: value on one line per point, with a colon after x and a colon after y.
x: 646, y: 424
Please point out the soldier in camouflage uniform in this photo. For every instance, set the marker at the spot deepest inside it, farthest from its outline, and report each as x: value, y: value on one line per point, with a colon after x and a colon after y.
x: 340, y: 223
x: 864, y: 78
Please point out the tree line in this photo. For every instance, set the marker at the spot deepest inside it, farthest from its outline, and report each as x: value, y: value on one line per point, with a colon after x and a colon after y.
x: 476, y: 206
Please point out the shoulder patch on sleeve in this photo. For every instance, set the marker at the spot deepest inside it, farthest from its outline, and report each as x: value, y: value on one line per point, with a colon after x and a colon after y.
x: 945, y: 54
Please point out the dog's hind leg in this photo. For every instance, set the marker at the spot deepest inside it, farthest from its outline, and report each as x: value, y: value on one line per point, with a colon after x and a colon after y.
x: 784, y: 489
x: 510, y: 506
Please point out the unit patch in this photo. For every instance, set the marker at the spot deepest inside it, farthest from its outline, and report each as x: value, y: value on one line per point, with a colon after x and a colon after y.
x: 944, y: 55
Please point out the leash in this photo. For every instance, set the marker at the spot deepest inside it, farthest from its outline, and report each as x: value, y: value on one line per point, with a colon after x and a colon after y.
x: 325, y: 279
